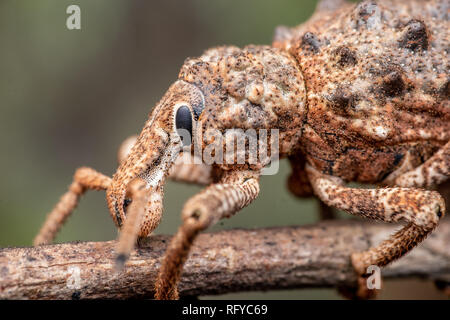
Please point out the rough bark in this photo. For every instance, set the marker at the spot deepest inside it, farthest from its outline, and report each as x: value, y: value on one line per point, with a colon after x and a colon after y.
x: 226, y: 261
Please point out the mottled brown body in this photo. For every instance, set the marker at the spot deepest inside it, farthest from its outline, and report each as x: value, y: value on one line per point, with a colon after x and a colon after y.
x: 377, y: 83
x: 360, y: 93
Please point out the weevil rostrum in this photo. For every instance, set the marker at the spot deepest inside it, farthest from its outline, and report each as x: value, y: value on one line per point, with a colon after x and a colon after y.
x: 359, y: 93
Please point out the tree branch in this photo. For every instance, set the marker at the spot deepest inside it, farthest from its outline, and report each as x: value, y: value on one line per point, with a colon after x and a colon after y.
x: 226, y: 261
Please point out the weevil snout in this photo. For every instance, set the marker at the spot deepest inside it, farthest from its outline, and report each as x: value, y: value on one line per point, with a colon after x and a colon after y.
x: 150, y: 155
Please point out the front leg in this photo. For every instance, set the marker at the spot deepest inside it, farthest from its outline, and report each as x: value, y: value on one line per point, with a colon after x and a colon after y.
x: 235, y: 190
x: 143, y: 216
x: 144, y: 207
x: 84, y: 179
x: 421, y: 209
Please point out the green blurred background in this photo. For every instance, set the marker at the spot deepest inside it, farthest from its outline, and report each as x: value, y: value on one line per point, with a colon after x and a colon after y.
x: 69, y: 97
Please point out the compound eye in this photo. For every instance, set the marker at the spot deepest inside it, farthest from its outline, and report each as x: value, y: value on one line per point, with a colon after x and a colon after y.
x: 183, y: 122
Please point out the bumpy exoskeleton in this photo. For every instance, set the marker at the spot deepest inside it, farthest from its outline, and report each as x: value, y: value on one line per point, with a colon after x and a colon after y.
x: 360, y: 93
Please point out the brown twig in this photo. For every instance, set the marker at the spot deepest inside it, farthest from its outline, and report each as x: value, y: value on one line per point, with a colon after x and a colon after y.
x: 226, y: 261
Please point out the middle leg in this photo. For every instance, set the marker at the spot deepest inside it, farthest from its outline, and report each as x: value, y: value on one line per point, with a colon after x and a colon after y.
x: 235, y: 190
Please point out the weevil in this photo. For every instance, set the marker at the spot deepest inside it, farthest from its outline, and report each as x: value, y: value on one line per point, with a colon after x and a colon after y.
x: 359, y: 93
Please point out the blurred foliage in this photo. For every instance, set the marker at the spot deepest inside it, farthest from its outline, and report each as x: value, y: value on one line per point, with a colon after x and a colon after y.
x: 69, y: 97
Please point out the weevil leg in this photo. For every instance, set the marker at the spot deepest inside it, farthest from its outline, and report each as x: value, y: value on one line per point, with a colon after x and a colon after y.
x: 146, y: 205
x: 84, y: 179
x: 185, y: 169
x: 234, y: 191
x: 421, y: 209
x: 434, y: 171
x: 143, y: 216
x: 298, y: 184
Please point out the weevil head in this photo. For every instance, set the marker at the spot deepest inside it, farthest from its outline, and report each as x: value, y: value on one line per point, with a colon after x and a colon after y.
x: 227, y: 88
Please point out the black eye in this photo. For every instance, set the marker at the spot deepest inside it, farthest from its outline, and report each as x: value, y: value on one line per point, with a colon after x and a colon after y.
x: 183, y: 122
